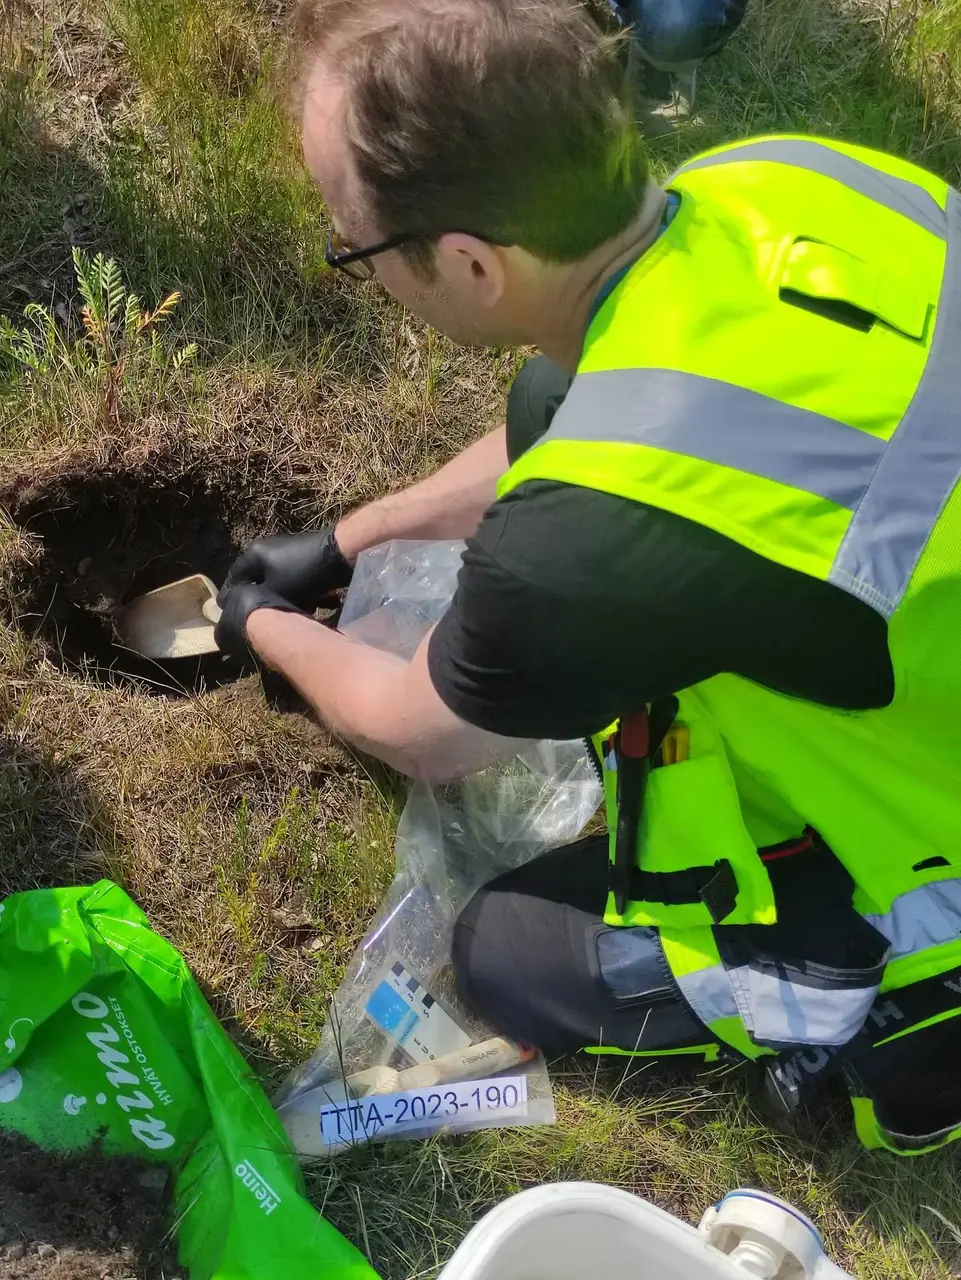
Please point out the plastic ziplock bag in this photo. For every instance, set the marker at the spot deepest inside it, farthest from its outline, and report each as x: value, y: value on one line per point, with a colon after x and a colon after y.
x: 401, y: 1056
x: 106, y: 1040
x: 398, y: 592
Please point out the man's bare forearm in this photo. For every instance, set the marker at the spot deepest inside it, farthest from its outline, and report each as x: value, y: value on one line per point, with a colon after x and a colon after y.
x: 448, y: 504
x: 383, y: 705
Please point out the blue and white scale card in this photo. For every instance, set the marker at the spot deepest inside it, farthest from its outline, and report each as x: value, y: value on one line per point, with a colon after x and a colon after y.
x: 403, y: 1008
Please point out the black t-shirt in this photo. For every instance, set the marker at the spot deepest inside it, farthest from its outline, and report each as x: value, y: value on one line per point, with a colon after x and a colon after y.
x: 574, y: 607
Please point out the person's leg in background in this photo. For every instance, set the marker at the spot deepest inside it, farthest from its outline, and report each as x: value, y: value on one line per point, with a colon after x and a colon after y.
x: 670, y: 39
x: 535, y: 959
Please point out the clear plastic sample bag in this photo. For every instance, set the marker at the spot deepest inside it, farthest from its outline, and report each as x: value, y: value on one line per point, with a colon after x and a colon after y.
x: 401, y: 1056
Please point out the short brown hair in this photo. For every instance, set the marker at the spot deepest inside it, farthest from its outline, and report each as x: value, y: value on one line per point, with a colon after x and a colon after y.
x: 511, y: 118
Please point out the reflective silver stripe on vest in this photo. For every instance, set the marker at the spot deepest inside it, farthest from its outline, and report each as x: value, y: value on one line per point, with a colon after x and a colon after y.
x: 898, y: 194
x: 709, y: 993
x: 921, y: 464
x: 775, y: 1009
x: 926, y: 917
x: 722, y: 423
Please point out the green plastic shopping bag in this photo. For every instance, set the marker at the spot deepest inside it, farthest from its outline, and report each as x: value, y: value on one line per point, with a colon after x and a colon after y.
x: 105, y: 1038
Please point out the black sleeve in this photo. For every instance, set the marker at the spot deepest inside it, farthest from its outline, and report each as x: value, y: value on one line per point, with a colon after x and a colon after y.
x: 574, y: 607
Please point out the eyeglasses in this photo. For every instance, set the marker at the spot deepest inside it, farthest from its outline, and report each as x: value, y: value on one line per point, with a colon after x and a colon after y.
x: 356, y: 263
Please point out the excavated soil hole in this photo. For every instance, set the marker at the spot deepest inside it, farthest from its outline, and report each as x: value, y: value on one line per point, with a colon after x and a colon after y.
x: 107, y: 537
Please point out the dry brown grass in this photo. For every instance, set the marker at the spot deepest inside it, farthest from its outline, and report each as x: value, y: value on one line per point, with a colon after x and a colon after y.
x: 251, y: 839
x: 244, y: 831
x: 258, y: 845
x: 145, y: 128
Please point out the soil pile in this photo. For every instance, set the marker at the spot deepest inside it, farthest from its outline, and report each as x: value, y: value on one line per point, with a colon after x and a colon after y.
x: 79, y: 1217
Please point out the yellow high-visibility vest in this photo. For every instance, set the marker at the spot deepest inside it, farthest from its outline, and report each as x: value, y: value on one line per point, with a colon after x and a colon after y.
x: 783, y: 366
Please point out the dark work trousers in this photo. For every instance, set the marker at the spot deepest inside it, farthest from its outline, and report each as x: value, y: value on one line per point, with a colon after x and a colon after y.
x: 531, y: 950
x: 675, y: 35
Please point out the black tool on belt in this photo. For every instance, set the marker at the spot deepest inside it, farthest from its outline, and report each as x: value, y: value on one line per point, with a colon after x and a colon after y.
x: 636, y: 742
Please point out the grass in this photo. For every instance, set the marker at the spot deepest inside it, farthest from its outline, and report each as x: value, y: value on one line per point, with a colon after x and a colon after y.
x: 148, y: 130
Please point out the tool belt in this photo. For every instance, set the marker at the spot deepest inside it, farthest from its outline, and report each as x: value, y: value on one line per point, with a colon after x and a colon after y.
x: 681, y: 855
x: 646, y: 741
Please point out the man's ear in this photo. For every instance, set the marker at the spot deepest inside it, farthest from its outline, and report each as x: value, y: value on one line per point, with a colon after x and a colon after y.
x: 472, y: 267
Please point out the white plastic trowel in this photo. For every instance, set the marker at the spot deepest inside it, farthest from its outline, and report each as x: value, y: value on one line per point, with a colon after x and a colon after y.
x: 174, y: 621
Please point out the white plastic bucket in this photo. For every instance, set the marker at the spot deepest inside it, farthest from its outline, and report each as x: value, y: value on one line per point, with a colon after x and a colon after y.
x: 587, y: 1231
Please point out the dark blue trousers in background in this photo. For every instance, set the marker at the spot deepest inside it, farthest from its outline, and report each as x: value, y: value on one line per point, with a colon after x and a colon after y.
x: 675, y: 35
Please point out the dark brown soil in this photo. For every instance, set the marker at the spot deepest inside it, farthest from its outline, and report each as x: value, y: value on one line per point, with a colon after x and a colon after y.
x: 79, y: 1217
x: 104, y: 535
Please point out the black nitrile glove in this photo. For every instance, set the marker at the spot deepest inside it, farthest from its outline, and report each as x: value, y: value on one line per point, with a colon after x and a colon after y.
x: 238, y: 603
x: 303, y: 568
